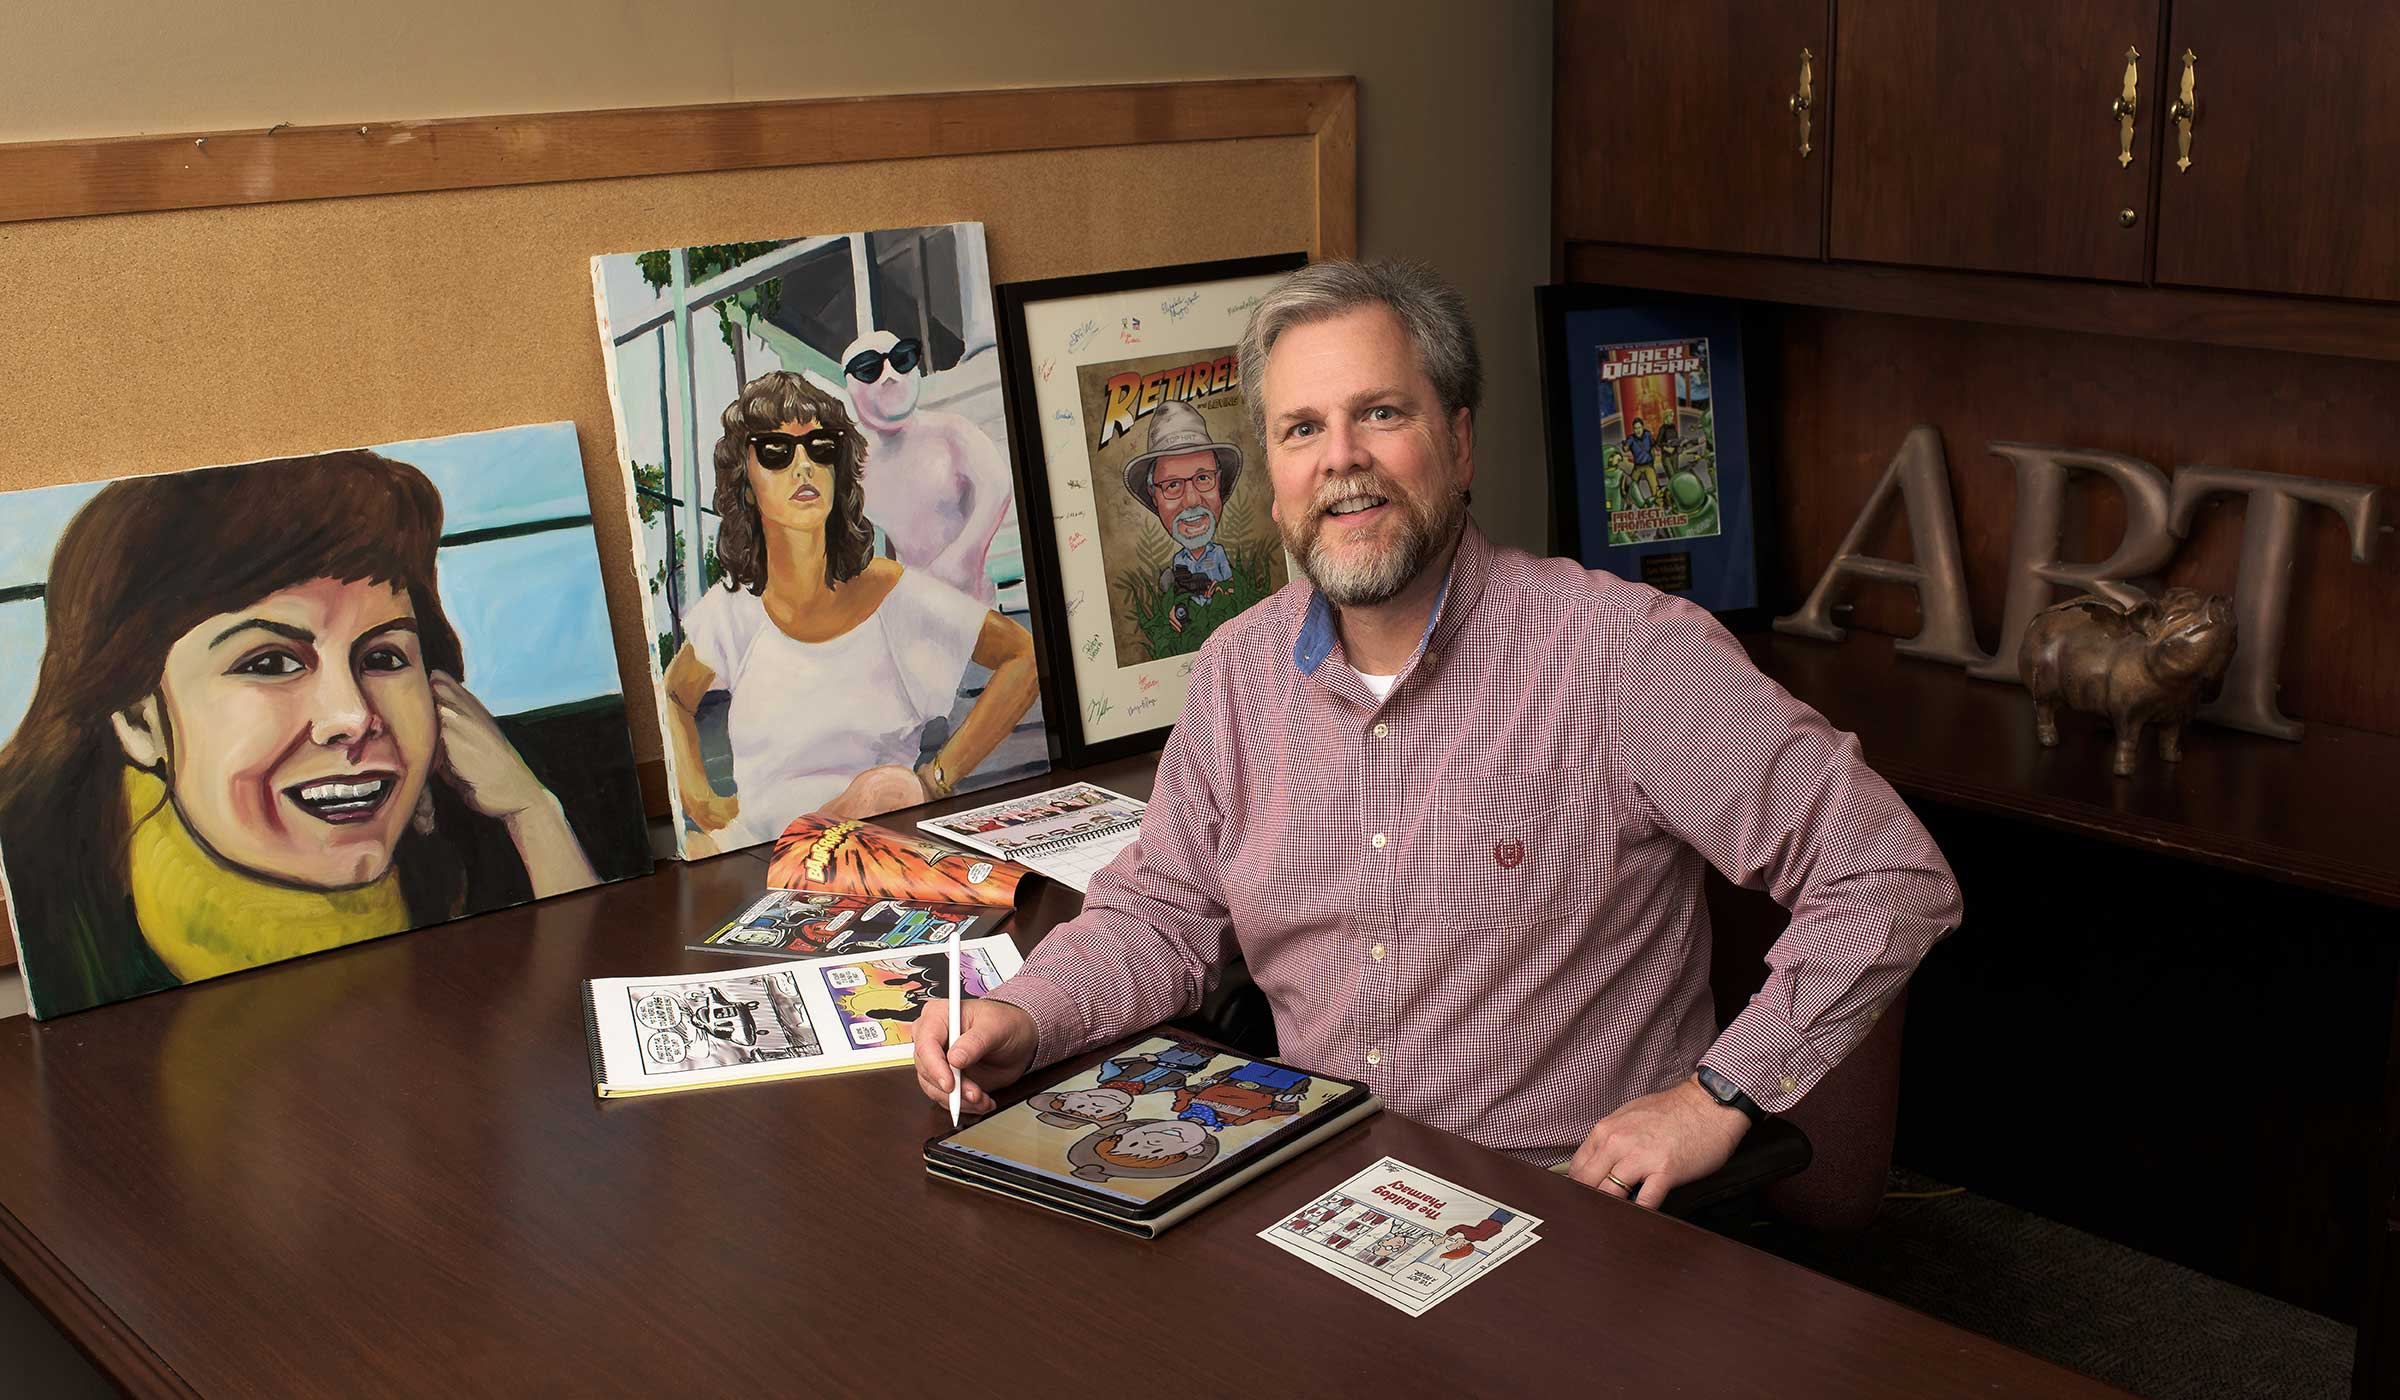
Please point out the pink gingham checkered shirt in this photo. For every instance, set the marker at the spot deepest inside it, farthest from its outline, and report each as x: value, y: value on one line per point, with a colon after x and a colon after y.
x: 1483, y: 895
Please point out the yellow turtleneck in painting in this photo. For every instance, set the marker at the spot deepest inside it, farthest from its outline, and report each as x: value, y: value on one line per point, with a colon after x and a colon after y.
x: 204, y: 918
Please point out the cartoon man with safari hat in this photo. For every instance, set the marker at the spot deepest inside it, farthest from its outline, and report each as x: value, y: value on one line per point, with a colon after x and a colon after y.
x: 1184, y: 479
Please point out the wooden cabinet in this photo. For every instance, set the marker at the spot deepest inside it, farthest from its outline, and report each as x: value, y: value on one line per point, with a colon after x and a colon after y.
x: 1987, y: 136
x: 2295, y: 149
x: 1675, y: 124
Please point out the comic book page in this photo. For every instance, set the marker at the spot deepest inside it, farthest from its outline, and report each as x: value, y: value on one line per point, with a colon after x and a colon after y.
x: 1658, y: 436
x: 1139, y: 1123
x: 861, y: 858
x: 877, y: 1003
x: 817, y: 924
x: 685, y: 1031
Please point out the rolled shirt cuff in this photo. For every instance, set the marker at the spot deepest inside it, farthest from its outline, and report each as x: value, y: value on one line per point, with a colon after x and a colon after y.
x: 1768, y: 1056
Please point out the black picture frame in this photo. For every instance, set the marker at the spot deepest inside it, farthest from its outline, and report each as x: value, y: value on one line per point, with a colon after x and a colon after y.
x: 1731, y: 572
x: 1077, y: 737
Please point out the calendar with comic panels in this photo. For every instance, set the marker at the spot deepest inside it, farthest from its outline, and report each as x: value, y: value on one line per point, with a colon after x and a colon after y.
x: 1159, y: 1127
x: 653, y: 1035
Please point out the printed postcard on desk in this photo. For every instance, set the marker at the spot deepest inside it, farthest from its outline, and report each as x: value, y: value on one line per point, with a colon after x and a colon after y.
x: 1403, y: 1235
x: 1160, y: 1126
x: 818, y: 924
x: 693, y: 1030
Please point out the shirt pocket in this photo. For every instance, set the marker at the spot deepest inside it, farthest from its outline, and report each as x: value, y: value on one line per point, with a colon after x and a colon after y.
x: 1494, y: 850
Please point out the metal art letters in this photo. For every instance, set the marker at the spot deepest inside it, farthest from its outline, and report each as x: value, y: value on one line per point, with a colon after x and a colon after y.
x: 2158, y: 515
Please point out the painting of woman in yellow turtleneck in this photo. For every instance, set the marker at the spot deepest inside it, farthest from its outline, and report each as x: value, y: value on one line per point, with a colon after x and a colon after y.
x: 251, y: 736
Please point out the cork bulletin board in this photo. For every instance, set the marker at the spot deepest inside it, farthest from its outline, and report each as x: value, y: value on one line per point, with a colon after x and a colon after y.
x: 183, y: 301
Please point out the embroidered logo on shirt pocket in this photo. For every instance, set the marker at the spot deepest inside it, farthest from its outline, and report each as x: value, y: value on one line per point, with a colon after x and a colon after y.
x: 1504, y: 845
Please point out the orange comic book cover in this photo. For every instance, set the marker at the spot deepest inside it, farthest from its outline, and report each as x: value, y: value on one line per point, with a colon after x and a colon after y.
x: 861, y: 858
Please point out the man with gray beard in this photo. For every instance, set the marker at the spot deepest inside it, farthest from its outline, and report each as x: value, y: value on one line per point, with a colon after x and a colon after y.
x: 1450, y: 802
x: 1184, y: 479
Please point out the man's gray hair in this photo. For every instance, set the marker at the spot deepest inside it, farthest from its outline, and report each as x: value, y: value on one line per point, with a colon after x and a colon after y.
x: 1430, y: 310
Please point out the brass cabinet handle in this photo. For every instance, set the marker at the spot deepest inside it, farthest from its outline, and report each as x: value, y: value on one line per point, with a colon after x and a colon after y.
x: 1803, y: 100
x: 2183, y: 111
x: 2123, y: 107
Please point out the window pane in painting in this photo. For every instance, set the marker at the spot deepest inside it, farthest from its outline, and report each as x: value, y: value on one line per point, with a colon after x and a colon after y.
x: 819, y: 300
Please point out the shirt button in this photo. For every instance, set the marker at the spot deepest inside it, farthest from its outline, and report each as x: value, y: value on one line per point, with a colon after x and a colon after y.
x: 1379, y: 731
x: 1433, y: 658
x: 1379, y: 840
x: 1376, y: 952
x: 1374, y: 1057
x: 1788, y: 1085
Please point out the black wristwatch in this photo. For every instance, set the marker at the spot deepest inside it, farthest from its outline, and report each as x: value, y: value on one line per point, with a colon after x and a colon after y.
x: 1730, y: 1094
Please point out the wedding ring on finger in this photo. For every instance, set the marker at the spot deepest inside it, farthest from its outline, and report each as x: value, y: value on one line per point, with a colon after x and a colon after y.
x: 1625, y: 1186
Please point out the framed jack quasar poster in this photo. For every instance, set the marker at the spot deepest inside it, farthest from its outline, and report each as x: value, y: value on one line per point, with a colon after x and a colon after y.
x: 1654, y: 453
x: 1143, y: 487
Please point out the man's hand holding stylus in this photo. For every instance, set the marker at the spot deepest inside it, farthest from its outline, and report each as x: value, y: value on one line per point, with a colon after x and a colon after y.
x: 994, y: 1049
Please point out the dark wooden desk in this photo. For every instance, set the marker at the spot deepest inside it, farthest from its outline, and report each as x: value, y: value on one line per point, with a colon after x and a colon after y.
x: 382, y: 1171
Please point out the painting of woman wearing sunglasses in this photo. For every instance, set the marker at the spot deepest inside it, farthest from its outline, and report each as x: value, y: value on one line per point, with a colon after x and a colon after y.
x: 939, y: 486
x: 836, y: 660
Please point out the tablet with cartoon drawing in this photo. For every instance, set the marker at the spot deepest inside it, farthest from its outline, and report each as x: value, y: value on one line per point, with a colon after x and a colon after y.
x: 1157, y: 1127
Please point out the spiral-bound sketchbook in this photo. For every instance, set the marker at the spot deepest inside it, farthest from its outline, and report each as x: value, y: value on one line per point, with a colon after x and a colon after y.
x: 650, y: 1035
x: 1067, y: 833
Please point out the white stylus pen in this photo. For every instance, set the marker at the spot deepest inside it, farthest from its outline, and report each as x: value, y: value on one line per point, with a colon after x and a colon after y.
x: 957, y: 1076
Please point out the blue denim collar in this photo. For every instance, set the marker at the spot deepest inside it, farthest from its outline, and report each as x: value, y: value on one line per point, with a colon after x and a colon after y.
x: 1318, y: 637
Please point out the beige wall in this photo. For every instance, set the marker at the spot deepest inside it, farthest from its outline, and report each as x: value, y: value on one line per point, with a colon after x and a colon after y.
x: 1454, y: 101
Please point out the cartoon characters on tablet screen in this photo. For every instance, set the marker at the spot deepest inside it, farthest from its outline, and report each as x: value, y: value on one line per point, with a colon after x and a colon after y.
x: 1168, y: 1108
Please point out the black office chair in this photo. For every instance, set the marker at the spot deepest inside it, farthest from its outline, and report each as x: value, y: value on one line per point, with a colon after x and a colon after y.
x: 1236, y: 1013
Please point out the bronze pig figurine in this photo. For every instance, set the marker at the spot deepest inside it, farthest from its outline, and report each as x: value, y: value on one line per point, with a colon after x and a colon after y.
x: 2153, y: 663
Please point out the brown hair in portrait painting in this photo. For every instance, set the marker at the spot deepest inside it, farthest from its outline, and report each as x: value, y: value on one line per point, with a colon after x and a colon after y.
x: 147, y: 571
x: 765, y: 404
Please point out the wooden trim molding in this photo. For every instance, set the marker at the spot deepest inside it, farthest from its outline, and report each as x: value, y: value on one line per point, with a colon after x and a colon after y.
x: 198, y: 170
x: 2315, y: 326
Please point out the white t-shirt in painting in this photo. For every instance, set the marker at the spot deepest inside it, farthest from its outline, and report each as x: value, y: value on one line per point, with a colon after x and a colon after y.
x: 807, y: 717
x: 1381, y: 685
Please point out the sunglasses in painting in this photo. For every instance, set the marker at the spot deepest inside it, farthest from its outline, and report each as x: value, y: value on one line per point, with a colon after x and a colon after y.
x: 774, y: 450
x: 867, y: 365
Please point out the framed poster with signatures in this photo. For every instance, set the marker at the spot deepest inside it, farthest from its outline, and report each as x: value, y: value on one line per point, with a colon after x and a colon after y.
x: 1654, y: 453
x: 1144, y: 491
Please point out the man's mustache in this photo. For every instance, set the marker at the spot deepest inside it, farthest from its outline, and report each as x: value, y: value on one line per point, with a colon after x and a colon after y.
x: 1350, y: 488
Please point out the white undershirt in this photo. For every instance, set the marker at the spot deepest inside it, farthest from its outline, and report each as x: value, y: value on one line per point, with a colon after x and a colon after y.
x: 1381, y: 685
